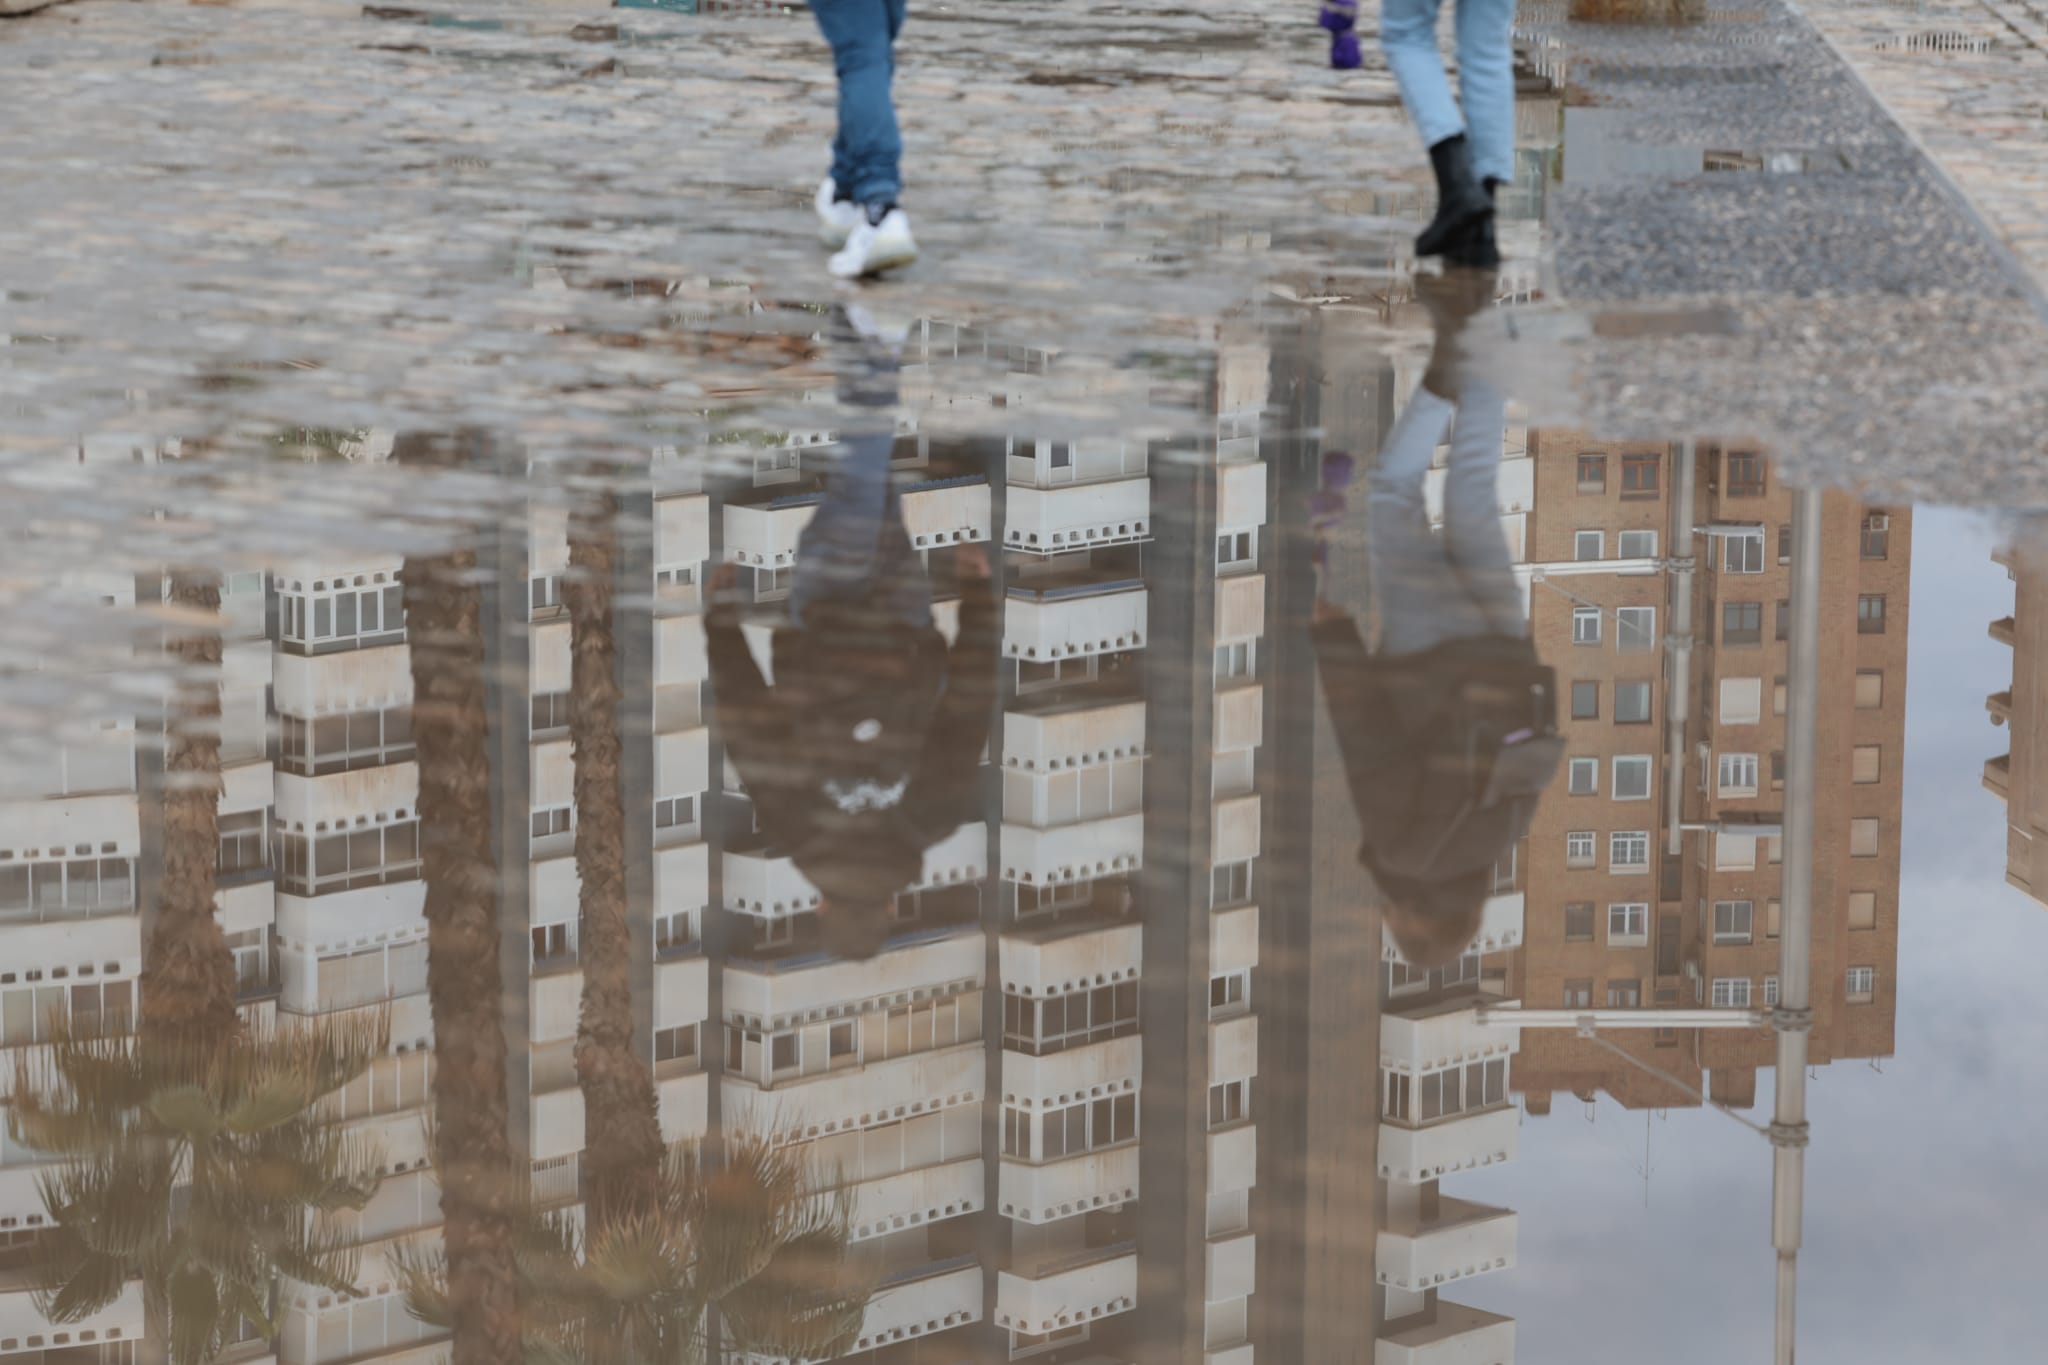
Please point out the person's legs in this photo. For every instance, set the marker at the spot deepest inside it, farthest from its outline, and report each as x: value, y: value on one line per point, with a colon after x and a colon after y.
x: 1421, y: 601
x: 867, y: 155
x: 1408, y: 38
x: 1486, y: 84
x: 1474, y: 543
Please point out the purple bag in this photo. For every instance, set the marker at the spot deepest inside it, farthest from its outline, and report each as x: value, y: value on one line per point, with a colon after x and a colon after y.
x: 1341, y: 18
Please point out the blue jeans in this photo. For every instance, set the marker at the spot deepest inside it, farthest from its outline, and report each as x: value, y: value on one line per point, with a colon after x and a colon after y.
x: 1459, y: 584
x: 1486, y: 76
x: 866, y: 155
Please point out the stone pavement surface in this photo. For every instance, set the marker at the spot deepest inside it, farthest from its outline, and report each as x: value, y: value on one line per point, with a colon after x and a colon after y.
x: 587, y: 228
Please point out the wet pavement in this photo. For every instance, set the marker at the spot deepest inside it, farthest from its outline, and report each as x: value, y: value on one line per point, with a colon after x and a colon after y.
x: 1168, y: 785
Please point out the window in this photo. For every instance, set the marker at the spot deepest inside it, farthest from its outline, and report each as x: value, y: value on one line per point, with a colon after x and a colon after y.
x: 1038, y: 1343
x: 1629, y: 851
x: 1585, y: 625
x: 675, y: 581
x: 1033, y: 676
x: 1635, y: 629
x: 1784, y: 544
x: 343, y: 859
x: 1631, y: 703
x: 1863, y: 837
x: 1742, y: 701
x: 1625, y: 994
x: 842, y: 1041
x: 1869, y: 764
x: 1743, y: 554
x: 550, y: 711
x: 772, y: 584
x: 676, y: 1044
x: 1862, y: 985
x: 1782, y: 626
x: 1592, y: 473
x: 1737, y: 775
x: 1588, y: 545
x: 1229, y: 992
x: 553, y: 820
x: 1869, y: 691
x: 783, y: 1051
x: 1632, y: 777
x: 1638, y: 544
x: 1771, y: 991
x: 1877, y: 535
x: 1862, y: 909
x: 1628, y: 924
x: 1745, y: 475
x: 1062, y: 455
x: 553, y: 943
x: 1870, y: 614
x: 1732, y: 921
x: 1236, y: 550
x: 344, y: 741
x: 1734, y: 852
x: 1579, y: 848
x: 1578, y: 922
x: 1771, y: 912
x: 1239, y: 660
x: 1229, y: 1102
x: 1585, y: 701
x: 242, y: 844
x: 676, y: 812
x: 341, y: 614
x: 1778, y: 771
x: 1444, y: 1093
x: 1585, y: 776
x: 1731, y: 992
x: 1042, y: 1027
x: 1230, y: 884
x: 1778, y: 696
x: 1639, y: 475
x: 1742, y: 623
x: 544, y: 593
x: 677, y: 929
x: 1578, y: 995
x: 1085, y: 1127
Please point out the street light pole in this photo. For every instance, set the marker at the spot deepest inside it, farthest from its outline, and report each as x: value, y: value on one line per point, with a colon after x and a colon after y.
x: 1793, y: 1017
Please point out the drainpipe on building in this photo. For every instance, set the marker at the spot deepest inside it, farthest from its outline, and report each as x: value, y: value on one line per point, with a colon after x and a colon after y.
x: 1678, y: 650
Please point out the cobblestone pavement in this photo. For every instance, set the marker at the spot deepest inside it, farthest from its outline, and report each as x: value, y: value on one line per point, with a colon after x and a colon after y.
x: 1969, y: 80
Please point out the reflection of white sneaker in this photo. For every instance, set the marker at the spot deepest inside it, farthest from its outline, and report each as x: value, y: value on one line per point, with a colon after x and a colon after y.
x: 875, y: 247
x: 837, y: 218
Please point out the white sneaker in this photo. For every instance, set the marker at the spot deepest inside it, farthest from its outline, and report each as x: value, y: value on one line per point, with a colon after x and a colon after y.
x: 875, y: 247
x: 837, y: 218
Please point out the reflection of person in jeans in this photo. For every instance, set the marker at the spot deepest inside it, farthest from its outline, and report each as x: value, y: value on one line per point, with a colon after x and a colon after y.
x: 1447, y: 730
x: 867, y: 749
x: 1471, y: 148
x: 857, y: 207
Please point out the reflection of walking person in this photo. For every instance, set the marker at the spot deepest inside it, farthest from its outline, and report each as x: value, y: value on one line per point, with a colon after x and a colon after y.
x: 1471, y: 149
x: 857, y: 203
x: 1448, y: 729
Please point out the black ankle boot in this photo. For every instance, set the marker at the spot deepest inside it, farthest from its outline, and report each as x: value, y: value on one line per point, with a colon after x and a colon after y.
x: 1475, y: 248
x: 1460, y: 202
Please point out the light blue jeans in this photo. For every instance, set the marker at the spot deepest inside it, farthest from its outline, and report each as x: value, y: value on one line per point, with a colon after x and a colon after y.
x: 867, y: 154
x: 1458, y: 584
x: 1486, y: 76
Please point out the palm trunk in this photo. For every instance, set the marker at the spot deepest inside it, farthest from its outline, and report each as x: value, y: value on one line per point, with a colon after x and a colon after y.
x: 188, y: 979
x: 481, y: 1189
x: 622, y: 1142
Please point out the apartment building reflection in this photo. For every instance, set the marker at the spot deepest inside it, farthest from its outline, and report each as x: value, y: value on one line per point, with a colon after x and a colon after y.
x: 2016, y: 777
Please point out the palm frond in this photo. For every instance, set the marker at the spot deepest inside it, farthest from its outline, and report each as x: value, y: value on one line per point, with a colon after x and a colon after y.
x: 808, y: 1303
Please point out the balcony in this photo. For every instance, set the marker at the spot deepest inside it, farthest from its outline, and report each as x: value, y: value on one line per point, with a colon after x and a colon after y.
x: 308, y: 685
x: 766, y: 886
x: 961, y: 856
x: 1411, y: 1156
x: 930, y: 1298
x: 679, y: 652
x: 682, y: 878
x: 922, y: 1083
x: 1073, y: 621
x: 770, y: 994
x: 1048, y: 741
x: 1086, y: 848
x: 1233, y: 1048
x: 1462, y: 1239
x: 64, y: 821
x: 553, y: 1001
x: 682, y: 763
x: 22, y: 1326
x: 682, y: 989
x: 1051, y: 521
x: 557, y: 1123
x: 1230, y: 1266
x: 51, y: 938
x: 1240, y: 718
x: 1235, y: 834
x: 914, y: 1198
x: 1240, y: 607
x: 1071, y: 1185
x: 1459, y: 1336
x: 682, y: 529
x: 1999, y: 705
x: 947, y: 511
x: 1234, y: 939
x: 1442, y: 1035
x: 1240, y: 496
x: 684, y: 1104
x: 1071, y: 958
x: 1998, y: 774
x: 1233, y: 1157
x: 1500, y: 927
x: 308, y: 801
x: 1091, y: 1284
x: 1113, y: 1066
x: 2002, y: 630
x: 765, y: 534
